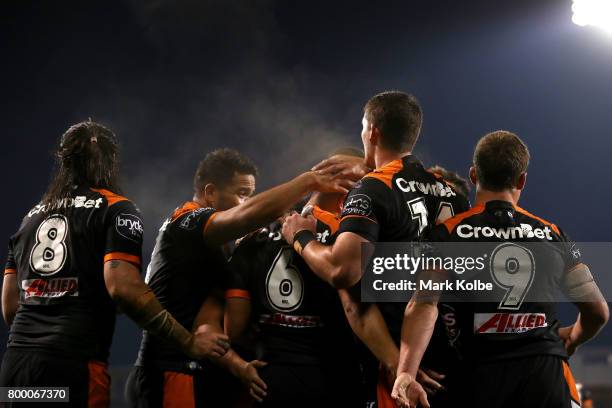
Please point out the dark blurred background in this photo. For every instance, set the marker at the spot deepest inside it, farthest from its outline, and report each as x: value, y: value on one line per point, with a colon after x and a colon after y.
x: 285, y: 81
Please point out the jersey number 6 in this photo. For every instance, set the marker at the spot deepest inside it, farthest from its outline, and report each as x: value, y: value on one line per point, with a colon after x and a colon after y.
x: 284, y: 284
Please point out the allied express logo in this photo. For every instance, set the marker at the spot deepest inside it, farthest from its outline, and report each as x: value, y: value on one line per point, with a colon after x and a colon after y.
x: 50, y: 288
x: 508, y: 322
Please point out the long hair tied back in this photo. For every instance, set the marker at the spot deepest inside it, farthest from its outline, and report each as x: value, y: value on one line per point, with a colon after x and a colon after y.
x: 88, y: 156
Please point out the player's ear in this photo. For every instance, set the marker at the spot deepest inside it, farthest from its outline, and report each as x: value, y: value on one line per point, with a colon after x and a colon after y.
x: 211, y: 193
x: 521, y: 181
x: 473, y: 176
x: 374, y: 136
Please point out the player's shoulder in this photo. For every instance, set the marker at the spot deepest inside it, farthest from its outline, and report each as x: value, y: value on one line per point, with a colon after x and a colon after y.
x: 115, y: 208
x: 326, y: 220
x: 190, y: 214
x: 384, y: 174
x: 525, y: 215
x: 109, y: 198
x: 450, y: 225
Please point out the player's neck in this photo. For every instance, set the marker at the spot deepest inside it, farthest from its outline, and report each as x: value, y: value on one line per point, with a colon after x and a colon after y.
x: 201, y: 201
x: 484, y: 196
x: 384, y: 156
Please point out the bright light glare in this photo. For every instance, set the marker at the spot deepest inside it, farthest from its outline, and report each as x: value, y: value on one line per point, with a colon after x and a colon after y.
x: 596, y: 13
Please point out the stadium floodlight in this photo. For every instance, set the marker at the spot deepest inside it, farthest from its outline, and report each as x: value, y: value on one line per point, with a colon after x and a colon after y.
x: 597, y: 13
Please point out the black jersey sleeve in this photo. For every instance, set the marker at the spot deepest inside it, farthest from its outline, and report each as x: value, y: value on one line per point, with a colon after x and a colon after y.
x: 365, y: 208
x: 571, y: 251
x: 192, y: 223
x: 11, y: 265
x: 240, y: 272
x: 124, y: 233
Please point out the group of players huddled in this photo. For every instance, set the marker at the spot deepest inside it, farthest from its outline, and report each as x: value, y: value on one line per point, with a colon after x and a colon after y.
x: 254, y: 300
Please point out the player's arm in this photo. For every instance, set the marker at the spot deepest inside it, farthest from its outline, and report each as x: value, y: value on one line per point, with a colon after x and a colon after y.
x: 137, y: 301
x: 352, y: 167
x: 237, y: 316
x: 417, y: 328
x: 267, y: 206
x: 122, y: 260
x: 237, y: 295
x: 581, y: 288
x: 369, y: 326
x: 10, y: 297
x: 10, y: 289
x: 338, y: 264
x: 210, y: 316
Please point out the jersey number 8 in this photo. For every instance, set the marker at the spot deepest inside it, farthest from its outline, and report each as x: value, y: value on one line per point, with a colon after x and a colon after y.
x: 49, y: 253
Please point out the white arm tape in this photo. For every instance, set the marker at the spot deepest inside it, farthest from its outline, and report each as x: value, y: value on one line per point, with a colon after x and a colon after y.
x: 579, y: 285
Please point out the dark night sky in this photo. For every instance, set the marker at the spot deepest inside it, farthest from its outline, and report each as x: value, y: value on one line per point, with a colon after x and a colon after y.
x: 285, y: 82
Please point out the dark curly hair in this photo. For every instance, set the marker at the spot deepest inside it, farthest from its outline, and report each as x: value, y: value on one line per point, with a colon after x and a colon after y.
x: 219, y: 167
x: 88, y: 155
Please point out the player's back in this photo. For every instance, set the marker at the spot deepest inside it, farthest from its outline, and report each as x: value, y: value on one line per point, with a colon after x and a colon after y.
x: 399, y: 202
x: 58, y: 254
x: 403, y: 199
x: 528, y: 258
x: 302, y: 334
x: 182, y: 272
x: 291, y: 306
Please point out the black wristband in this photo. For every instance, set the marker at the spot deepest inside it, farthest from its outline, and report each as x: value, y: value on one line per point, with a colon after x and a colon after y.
x: 301, y: 239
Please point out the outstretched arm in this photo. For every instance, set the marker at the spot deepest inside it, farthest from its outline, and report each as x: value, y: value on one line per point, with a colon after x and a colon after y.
x: 269, y: 205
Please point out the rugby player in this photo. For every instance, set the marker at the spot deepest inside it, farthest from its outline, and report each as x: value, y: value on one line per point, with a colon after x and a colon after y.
x: 398, y: 201
x: 514, y: 352
x: 460, y: 184
x: 76, y: 254
x: 440, y: 364
x: 302, y: 332
x: 188, y: 263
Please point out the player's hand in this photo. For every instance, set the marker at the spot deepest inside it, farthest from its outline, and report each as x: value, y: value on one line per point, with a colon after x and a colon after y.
x: 407, y: 392
x: 429, y: 380
x: 208, y: 343
x: 566, y: 335
x: 329, y: 183
x: 350, y: 167
x: 250, y: 378
x: 295, y: 223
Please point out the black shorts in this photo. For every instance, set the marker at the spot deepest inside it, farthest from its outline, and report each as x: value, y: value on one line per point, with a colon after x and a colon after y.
x: 219, y: 388
x: 88, y: 381
x: 151, y: 387
x: 292, y: 385
x: 543, y: 381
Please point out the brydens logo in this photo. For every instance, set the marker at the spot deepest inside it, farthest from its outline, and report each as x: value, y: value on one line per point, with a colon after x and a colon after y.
x: 129, y: 226
x: 358, y: 204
